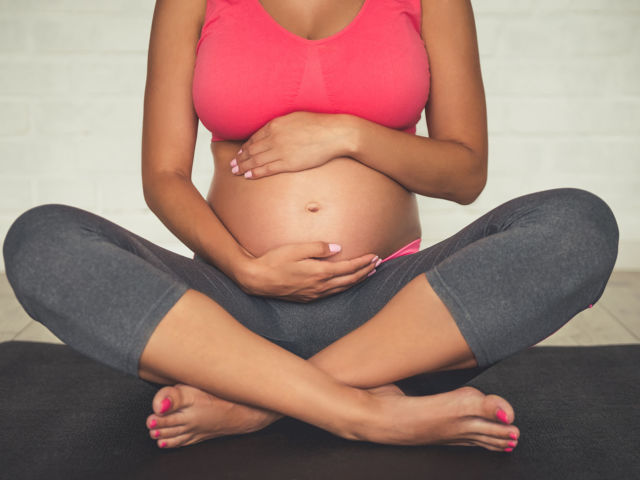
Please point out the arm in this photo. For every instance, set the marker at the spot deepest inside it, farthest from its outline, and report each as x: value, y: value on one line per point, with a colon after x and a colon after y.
x: 169, y: 134
x: 452, y: 162
x: 291, y: 272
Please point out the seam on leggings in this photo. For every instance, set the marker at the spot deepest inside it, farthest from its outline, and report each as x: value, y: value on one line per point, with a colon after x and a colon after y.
x: 460, y: 314
x: 142, y: 333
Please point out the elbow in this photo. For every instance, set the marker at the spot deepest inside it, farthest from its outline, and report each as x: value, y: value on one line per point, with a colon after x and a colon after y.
x: 476, y: 181
x: 156, y: 184
x: 151, y: 186
x: 472, y: 193
x: 152, y: 180
x: 148, y: 192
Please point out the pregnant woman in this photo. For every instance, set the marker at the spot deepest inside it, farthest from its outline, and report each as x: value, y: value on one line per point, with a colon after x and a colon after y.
x: 308, y: 295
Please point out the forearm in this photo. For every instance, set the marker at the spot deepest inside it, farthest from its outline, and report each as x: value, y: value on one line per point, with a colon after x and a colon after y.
x: 180, y: 206
x: 434, y: 168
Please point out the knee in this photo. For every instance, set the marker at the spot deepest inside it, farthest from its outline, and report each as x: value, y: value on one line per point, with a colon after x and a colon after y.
x: 35, y: 238
x: 588, y: 229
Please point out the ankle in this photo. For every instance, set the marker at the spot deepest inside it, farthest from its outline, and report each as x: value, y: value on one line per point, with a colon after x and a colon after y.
x: 363, y: 418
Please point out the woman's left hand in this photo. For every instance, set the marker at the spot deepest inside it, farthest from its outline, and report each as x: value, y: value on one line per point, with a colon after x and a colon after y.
x: 291, y: 143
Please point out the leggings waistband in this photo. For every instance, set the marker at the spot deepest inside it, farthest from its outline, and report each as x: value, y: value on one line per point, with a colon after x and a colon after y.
x: 408, y: 249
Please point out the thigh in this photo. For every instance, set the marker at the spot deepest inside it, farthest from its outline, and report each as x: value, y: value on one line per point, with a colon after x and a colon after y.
x: 53, y: 250
x: 516, y: 274
x: 519, y: 226
x: 251, y: 311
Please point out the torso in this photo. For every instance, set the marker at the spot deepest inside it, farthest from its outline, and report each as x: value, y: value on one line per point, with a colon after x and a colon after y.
x: 343, y: 201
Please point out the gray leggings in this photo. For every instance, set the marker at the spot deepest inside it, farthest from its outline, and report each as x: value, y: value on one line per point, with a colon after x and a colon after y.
x: 510, y: 279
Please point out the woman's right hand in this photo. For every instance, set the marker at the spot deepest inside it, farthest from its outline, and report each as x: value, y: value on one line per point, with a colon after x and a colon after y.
x: 298, y: 272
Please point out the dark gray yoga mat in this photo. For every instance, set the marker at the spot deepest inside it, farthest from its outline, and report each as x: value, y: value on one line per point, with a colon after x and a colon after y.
x: 63, y: 415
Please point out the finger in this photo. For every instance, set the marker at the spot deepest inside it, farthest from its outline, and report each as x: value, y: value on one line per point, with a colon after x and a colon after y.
x: 316, y: 249
x: 247, y: 152
x: 349, y: 280
x: 258, y: 135
x: 333, y: 291
x: 256, y: 159
x: 347, y: 285
x: 346, y: 267
x: 266, y: 169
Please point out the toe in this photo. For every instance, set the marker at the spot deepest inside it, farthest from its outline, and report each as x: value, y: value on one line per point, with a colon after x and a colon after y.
x: 474, y: 441
x: 498, y: 409
x: 165, y: 400
x: 168, y: 400
x: 174, y: 442
x: 152, y: 421
x: 491, y: 428
x: 167, y: 433
x: 494, y: 443
x: 176, y: 419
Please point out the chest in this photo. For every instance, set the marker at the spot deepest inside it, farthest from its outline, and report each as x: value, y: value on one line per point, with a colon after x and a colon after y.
x: 250, y: 68
x: 312, y: 20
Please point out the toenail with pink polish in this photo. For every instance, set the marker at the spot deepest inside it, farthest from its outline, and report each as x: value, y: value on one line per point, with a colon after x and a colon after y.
x: 152, y: 423
x: 513, y: 435
x: 508, y: 449
x: 163, y: 444
x: 165, y: 405
x: 156, y: 433
x: 512, y: 443
x: 502, y: 416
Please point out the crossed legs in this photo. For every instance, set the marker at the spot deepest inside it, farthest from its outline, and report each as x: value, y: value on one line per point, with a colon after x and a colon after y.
x: 510, y: 279
x: 231, y: 380
x: 525, y: 268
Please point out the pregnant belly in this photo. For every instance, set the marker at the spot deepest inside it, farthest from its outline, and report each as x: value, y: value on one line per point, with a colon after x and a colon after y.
x: 342, y: 201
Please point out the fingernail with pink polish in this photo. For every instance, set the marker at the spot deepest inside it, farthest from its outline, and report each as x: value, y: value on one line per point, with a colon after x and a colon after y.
x: 502, y: 416
x: 234, y: 162
x: 375, y: 259
x: 165, y: 405
x: 371, y: 272
x: 378, y: 262
x: 334, y: 247
x: 239, y: 151
x: 235, y: 169
x: 248, y: 174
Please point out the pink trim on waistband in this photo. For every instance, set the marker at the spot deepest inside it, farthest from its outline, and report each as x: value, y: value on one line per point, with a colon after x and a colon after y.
x: 408, y: 249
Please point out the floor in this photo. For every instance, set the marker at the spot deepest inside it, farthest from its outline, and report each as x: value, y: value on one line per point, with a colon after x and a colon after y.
x: 615, y: 319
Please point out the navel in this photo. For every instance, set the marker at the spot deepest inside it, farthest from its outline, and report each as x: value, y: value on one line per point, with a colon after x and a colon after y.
x: 312, y: 207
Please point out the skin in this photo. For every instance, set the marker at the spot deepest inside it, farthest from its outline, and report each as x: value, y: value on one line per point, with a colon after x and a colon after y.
x: 346, y: 388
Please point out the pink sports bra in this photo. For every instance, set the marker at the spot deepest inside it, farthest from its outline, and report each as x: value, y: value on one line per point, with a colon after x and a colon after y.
x: 249, y: 69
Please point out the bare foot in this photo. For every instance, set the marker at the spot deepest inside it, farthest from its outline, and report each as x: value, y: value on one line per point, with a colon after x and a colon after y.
x: 184, y: 415
x: 191, y: 415
x: 464, y: 416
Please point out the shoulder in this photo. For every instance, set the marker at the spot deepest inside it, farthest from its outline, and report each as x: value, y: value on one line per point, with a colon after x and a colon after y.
x: 438, y: 16
x: 187, y: 13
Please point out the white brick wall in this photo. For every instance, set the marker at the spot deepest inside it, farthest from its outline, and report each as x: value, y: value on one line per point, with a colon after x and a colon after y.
x: 562, y: 79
